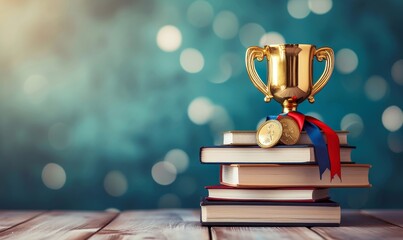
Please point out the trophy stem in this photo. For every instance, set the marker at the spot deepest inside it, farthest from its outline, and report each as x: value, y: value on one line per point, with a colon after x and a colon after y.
x: 289, y: 105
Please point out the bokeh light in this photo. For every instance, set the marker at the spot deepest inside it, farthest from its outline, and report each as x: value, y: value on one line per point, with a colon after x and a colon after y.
x: 115, y: 183
x: 200, y: 110
x: 178, y: 158
x: 163, y: 173
x: 200, y: 13
x: 375, y: 88
x: 250, y: 34
x: 191, y: 60
x: 346, y: 61
x: 392, y: 118
x: 353, y: 123
x: 226, y: 25
x: 298, y: 8
x: 320, y: 6
x: 53, y: 176
x: 169, y: 38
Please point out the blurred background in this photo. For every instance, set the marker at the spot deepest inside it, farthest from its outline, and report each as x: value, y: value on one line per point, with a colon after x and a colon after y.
x: 105, y: 103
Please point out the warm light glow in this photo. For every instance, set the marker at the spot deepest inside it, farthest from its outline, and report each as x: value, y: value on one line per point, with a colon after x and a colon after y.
x: 191, y: 60
x: 298, y: 8
x: 200, y: 110
x: 346, y: 61
x: 392, y: 118
x: 320, y: 6
x: 53, y: 176
x: 163, y: 173
x: 169, y: 38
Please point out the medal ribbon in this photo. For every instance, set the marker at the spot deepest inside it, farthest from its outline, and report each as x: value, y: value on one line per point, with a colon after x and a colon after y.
x: 319, y: 146
x: 333, y: 146
x: 327, y: 156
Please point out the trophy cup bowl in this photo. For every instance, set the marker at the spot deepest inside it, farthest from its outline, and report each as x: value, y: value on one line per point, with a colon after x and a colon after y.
x: 290, y: 68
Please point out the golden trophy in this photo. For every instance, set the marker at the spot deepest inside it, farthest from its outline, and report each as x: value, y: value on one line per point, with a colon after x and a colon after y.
x: 290, y: 68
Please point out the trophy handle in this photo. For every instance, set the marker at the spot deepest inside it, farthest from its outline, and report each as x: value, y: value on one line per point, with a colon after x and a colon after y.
x: 259, y: 54
x: 321, y: 54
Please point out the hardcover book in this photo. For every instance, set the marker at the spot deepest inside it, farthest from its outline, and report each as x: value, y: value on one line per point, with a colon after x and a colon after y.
x: 255, y: 154
x: 226, y: 193
x: 249, y: 138
x: 292, y: 175
x: 226, y: 213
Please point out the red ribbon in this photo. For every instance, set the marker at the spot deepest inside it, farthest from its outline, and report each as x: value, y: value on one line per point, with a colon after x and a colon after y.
x: 333, y: 143
x: 299, y: 118
x: 333, y: 146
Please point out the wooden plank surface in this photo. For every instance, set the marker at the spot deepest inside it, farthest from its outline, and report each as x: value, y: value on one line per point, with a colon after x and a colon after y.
x: 184, y: 224
x: 155, y: 224
x: 9, y: 219
x: 392, y: 216
x: 360, y: 226
x: 235, y: 233
x: 60, y: 225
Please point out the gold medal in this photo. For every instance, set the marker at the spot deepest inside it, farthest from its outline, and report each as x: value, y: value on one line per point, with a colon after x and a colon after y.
x: 269, y: 133
x: 291, y: 132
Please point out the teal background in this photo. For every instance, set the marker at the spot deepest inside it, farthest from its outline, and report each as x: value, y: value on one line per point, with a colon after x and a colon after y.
x: 85, y: 87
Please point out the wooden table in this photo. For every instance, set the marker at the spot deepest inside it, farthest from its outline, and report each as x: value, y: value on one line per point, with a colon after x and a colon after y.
x: 184, y: 224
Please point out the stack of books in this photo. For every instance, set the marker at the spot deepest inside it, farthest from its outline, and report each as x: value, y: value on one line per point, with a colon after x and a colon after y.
x: 279, y: 186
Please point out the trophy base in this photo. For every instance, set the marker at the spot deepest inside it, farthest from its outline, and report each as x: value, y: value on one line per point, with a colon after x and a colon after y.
x: 289, y: 105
